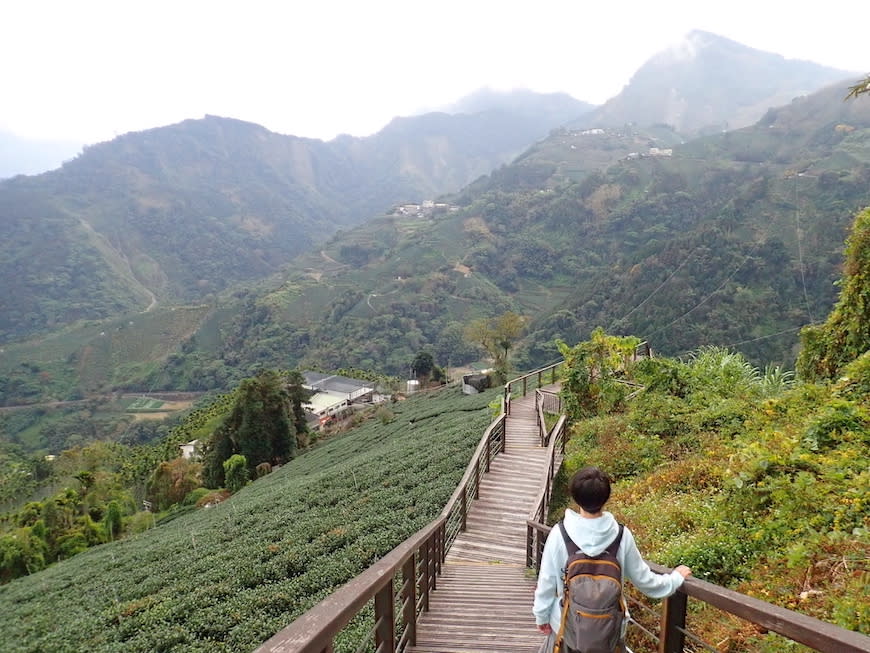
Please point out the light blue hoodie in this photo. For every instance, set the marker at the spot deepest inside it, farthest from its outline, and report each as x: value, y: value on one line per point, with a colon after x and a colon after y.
x: 593, y: 535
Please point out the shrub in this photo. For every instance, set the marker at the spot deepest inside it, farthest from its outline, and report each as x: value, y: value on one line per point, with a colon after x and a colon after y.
x: 661, y: 415
x: 385, y: 415
x: 719, y: 556
x: 192, y: 498
x: 212, y: 497
x: 838, y: 418
x: 235, y: 472
x: 855, y: 380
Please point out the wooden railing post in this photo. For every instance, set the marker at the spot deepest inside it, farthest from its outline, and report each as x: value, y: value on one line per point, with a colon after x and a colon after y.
x: 503, y: 429
x: 426, y: 567
x: 673, y: 623
x: 530, y: 542
x: 385, y: 638
x: 463, y: 507
x: 409, y: 600
x: 524, y: 386
x: 488, y: 452
x: 477, y: 478
x: 553, y: 374
x: 539, y: 377
x: 507, y: 399
x: 436, y: 554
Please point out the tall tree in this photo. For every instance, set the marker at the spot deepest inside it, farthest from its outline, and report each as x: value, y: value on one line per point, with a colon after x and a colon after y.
x: 262, y: 425
x: 827, y: 347
x: 422, y: 365
x: 497, y: 337
x: 590, y: 383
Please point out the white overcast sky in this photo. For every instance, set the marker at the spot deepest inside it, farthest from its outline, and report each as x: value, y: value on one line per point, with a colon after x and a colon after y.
x: 87, y: 70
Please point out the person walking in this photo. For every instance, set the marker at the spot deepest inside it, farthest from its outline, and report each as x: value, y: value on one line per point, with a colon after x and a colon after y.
x: 594, y: 533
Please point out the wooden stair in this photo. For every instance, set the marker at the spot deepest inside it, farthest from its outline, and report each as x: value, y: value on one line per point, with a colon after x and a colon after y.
x: 484, y: 598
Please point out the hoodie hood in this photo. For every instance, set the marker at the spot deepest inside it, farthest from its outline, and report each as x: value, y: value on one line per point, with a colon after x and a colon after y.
x: 591, y: 535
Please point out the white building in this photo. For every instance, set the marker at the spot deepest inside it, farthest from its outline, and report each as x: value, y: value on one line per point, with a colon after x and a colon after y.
x: 190, y: 451
x: 333, y: 394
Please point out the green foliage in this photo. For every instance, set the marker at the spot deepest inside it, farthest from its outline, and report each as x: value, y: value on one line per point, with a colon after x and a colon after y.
x: 827, y: 348
x: 592, y: 372
x: 22, y: 552
x: 754, y: 481
x: 720, y: 556
x: 423, y: 364
x: 236, y: 473
x: 112, y: 520
x: 834, y: 423
x: 172, y: 481
x: 229, y: 577
x: 263, y: 425
x: 497, y: 336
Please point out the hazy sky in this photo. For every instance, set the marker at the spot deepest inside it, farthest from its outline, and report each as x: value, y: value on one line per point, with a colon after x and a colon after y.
x: 87, y: 70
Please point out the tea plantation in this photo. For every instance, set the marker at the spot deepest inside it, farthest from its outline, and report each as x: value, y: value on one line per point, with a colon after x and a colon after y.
x: 228, y: 577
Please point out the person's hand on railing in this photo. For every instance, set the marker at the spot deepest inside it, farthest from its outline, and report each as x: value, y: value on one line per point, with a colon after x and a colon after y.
x: 683, y: 570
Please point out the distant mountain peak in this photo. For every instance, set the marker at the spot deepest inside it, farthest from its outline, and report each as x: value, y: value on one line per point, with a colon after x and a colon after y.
x: 706, y: 82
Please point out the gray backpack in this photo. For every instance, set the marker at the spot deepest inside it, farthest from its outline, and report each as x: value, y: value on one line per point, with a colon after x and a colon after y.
x: 593, y: 607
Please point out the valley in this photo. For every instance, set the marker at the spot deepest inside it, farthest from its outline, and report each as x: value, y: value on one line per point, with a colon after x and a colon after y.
x: 163, y: 290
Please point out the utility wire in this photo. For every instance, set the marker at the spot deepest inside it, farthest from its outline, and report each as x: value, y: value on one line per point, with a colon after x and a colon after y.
x: 703, y: 301
x: 744, y: 342
x: 797, y: 227
x: 660, y: 286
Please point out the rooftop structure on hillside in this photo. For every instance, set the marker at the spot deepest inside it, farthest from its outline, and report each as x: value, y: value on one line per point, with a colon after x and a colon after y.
x: 333, y: 395
x: 350, y: 389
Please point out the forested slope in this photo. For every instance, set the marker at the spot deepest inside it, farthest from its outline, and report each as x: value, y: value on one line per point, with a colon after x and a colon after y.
x: 732, y: 239
x: 184, y: 211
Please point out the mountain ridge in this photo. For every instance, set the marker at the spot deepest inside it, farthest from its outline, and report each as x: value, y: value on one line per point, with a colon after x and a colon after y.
x: 200, y: 205
x: 739, y: 84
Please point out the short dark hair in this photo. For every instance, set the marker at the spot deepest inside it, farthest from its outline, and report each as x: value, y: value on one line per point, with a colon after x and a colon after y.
x: 590, y: 488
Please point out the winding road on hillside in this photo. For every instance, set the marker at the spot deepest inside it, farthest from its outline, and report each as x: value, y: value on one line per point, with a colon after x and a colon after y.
x: 110, y: 397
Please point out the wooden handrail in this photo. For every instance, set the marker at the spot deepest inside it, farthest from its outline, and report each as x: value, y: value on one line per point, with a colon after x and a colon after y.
x: 508, y: 387
x: 316, y: 629
x: 497, y: 423
x: 815, y: 633
x: 538, y: 513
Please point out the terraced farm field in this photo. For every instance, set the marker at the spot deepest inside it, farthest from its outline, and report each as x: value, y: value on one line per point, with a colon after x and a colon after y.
x: 228, y: 577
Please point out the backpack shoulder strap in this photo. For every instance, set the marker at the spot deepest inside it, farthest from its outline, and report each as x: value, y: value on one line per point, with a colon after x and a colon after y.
x: 613, y: 547
x: 569, y: 543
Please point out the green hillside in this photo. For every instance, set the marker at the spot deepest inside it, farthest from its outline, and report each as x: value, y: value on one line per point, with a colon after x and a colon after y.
x: 179, y: 213
x: 755, y: 480
x: 95, y: 356
x: 226, y: 578
x: 732, y: 240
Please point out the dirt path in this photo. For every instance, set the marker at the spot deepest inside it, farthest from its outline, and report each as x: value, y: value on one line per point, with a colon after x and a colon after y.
x: 178, y: 400
x: 327, y: 257
x: 47, y: 404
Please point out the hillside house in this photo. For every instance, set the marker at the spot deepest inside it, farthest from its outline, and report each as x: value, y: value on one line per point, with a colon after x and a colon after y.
x: 190, y: 450
x: 334, y: 395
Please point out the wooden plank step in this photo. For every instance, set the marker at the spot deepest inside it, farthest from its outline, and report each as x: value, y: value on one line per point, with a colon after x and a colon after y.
x: 483, y: 603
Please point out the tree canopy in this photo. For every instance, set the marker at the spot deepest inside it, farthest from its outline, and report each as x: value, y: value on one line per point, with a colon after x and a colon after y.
x: 263, y: 424
x: 497, y: 337
x: 826, y: 348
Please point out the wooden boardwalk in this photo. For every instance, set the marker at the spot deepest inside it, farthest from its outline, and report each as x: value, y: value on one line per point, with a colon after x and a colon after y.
x: 484, y: 598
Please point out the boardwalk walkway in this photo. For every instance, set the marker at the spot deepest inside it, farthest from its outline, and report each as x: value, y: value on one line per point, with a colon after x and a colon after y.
x: 484, y: 598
